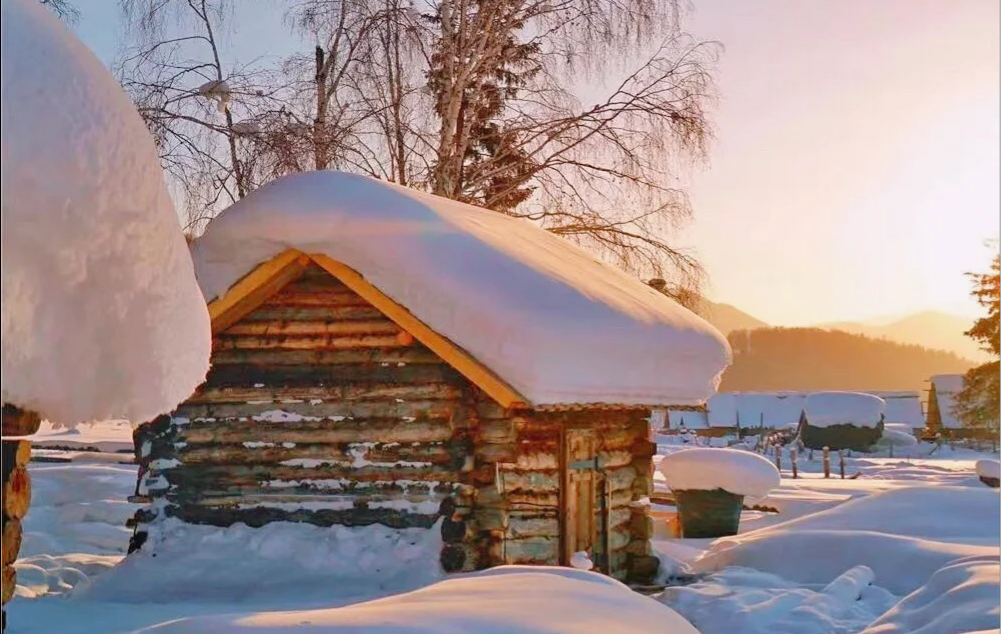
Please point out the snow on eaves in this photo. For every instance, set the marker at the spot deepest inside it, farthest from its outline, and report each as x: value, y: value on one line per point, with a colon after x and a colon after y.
x: 101, y: 312
x: 558, y: 325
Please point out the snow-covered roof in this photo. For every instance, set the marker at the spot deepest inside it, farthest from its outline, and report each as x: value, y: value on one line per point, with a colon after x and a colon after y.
x: 751, y: 409
x: 824, y: 409
x: 101, y: 312
x: 946, y: 388
x: 902, y: 407
x: 554, y: 322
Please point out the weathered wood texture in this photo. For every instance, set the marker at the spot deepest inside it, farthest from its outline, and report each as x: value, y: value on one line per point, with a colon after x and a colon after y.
x: 318, y: 409
x: 16, y: 495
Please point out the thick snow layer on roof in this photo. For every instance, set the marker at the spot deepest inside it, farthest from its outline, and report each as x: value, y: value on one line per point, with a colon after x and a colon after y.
x: 902, y: 407
x: 988, y: 469
x: 946, y: 388
x: 824, y: 409
x: 555, y: 323
x: 704, y: 469
x: 751, y: 409
x: 101, y: 313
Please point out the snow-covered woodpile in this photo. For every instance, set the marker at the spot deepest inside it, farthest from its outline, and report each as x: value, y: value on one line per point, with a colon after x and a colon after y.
x: 331, y: 402
x: 842, y: 420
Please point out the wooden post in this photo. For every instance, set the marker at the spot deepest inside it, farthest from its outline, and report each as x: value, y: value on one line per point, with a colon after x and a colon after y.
x: 827, y: 462
x: 778, y: 458
x: 792, y: 459
x: 16, y: 487
x: 841, y: 463
x: 809, y: 456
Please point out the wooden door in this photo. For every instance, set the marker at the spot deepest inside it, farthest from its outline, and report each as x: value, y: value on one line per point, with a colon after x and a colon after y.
x: 580, y: 516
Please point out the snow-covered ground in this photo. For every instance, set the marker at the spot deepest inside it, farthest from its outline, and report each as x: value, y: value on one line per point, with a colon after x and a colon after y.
x: 909, y: 546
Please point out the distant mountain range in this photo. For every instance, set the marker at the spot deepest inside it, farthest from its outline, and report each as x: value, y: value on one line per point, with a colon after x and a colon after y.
x: 929, y: 329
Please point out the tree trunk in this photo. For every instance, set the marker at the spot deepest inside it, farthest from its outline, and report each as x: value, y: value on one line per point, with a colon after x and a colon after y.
x: 16, y: 490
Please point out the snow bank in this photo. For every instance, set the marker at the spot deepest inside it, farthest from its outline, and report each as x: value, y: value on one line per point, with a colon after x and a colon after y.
x: 182, y: 562
x: 824, y: 409
x: 101, y: 313
x: 897, y: 437
x: 931, y: 526
x: 741, y: 600
x: 988, y: 469
x: 554, y: 322
x: 739, y: 472
x: 522, y: 599
x: 960, y: 597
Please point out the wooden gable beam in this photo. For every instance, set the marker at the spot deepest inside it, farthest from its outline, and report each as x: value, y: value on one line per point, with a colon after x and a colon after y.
x: 255, y: 287
x: 462, y: 361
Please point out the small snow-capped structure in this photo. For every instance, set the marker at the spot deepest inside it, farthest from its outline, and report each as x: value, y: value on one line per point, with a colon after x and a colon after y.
x: 989, y: 472
x: 842, y: 420
x: 942, y: 418
x: 382, y: 355
x: 710, y: 486
x: 101, y: 315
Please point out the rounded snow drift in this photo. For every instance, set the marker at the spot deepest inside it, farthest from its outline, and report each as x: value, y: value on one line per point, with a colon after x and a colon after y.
x: 102, y: 316
x: 989, y: 472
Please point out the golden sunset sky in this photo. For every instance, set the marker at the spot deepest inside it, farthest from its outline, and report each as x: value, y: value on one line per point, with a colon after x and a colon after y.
x: 855, y: 168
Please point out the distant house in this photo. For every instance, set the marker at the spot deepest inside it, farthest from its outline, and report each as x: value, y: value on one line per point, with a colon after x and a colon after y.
x: 384, y: 356
x: 941, y: 400
x: 903, y: 409
x: 842, y: 420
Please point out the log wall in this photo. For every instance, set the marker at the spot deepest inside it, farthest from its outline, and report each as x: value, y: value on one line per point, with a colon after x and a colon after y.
x: 320, y: 409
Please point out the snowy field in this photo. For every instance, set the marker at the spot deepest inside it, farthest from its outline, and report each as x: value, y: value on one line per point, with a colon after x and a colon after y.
x: 910, y: 545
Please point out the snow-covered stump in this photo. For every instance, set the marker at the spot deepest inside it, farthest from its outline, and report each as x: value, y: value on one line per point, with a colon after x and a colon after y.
x: 989, y: 472
x: 16, y: 487
x: 710, y: 486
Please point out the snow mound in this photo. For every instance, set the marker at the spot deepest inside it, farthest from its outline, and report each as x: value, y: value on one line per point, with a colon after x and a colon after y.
x: 101, y: 313
x: 503, y: 600
x: 897, y: 437
x: 191, y: 562
x: 960, y: 597
x: 751, y: 602
x: 824, y: 409
x: 706, y: 469
x: 546, y: 316
x: 989, y: 469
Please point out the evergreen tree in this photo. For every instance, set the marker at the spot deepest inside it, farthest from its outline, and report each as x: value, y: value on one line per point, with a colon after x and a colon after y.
x: 977, y: 404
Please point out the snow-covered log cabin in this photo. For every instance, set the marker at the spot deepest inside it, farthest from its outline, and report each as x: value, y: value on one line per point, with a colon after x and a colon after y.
x: 842, y: 420
x: 382, y: 355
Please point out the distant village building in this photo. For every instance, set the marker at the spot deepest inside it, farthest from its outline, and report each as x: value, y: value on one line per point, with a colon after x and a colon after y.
x: 903, y: 409
x: 384, y: 356
x: 727, y: 413
x: 941, y: 400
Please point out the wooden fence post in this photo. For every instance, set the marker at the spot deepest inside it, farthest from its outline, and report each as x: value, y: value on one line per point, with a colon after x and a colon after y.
x: 841, y: 463
x: 778, y: 458
x: 792, y: 459
x: 827, y: 462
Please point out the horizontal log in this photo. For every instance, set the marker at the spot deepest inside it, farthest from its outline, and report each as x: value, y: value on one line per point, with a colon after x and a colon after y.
x: 191, y: 479
x: 341, y: 327
x: 532, y: 550
x: 264, y: 453
x: 7, y: 583
x: 272, y: 312
x: 16, y: 493
x: 533, y: 527
x: 15, y: 421
x: 391, y: 355
x: 280, y: 376
x: 346, y: 409
x: 334, y: 392
x: 363, y: 494
x: 305, y: 342
x: 10, y: 544
x: 323, y: 431
x: 258, y: 517
x: 300, y: 295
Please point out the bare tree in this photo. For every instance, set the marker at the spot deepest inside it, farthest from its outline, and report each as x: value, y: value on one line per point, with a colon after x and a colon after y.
x: 64, y: 9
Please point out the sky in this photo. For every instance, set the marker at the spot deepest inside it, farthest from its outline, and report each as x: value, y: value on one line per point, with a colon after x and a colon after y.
x: 855, y: 171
